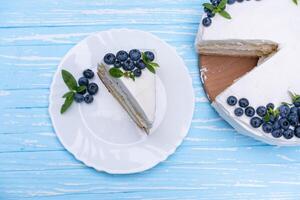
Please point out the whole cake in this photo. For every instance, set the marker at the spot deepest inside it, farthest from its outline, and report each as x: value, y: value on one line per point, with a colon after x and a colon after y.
x: 263, y: 103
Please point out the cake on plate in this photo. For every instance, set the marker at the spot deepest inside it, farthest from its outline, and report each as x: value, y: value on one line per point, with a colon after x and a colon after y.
x: 263, y: 103
x: 130, y: 77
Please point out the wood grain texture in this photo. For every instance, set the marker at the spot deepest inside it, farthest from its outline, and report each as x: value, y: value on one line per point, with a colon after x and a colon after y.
x: 214, y: 162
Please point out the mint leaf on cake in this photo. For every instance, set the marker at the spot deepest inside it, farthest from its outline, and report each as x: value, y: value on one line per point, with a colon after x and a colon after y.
x: 296, y: 2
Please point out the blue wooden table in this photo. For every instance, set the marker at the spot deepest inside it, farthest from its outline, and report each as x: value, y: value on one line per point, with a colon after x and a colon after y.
x: 214, y: 162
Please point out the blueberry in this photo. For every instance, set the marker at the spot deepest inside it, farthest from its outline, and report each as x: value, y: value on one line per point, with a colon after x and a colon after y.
x: 256, y: 122
x: 267, y: 127
x: 270, y: 106
x: 137, y: 72
x: 249, y: 111
x: 206, y: 21
x: 122, y: 56
x: 135, y: 54
x: 277, y: 133
x: 78, y: 98
x: 140, y: 64
x: 149, y: 55
x: 297, y: 104
x: 284, y: 110
x: 284, y: 123
x: 206, y: 10
x: 109, y: 59
x: 210, y: 14
x: 92, y: 88
x: 128, y: 65
x: 297, y: 132
x: 215, y: 2
x: 273, y: 118
x: 88, y: 99
x: 243, y: 102
x: 238, y: 112
x: 231, y: 2
x: 83, y: 81
x: 294, y: 110
x: 117, y: 64
x: 293, y: 119
x: 261, y: 111
x: 232, y: 100
x: 288, y: 134
x: 276, y: 125
x: 88, y: 73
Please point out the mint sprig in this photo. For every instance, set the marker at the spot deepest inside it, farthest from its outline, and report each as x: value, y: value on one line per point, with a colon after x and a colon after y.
x: 296, y: 1
x: 271, y: 113
x: 220, y: 9
x: 69, y: 80
x: 149, y: 64
x: 118, y: 73
x: 71, y: 83
x: 295, y: 97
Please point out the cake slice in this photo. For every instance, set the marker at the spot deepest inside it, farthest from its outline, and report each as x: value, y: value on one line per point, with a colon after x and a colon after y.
x: 135, y: 90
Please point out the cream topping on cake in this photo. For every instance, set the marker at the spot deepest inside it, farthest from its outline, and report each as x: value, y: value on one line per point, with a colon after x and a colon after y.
x: 257, y: 28
x: 137, y: 97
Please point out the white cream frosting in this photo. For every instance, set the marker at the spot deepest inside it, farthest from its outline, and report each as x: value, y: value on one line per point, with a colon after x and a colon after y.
x: 142, y: 94
x: 272, y: 79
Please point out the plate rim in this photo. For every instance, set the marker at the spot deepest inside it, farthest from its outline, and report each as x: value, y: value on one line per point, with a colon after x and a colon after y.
x: 143, y: 168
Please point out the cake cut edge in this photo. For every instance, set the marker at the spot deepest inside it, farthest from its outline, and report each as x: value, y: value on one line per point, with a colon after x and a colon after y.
x: 122, y: 97
x: 239, y: 48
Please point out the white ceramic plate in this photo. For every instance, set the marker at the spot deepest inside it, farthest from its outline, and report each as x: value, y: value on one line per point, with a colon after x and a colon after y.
x: 101, y: 134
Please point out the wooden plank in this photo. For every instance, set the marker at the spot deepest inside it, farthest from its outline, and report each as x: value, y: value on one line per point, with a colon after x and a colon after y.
x: 214, y: 161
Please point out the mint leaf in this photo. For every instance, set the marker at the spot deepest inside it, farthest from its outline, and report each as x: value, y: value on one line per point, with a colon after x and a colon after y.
x: 271, y: 113
x: 150, y: 65
x: 153, y: 64
x: 115, y: 72
x: 222, y: 4
x: 208, y: 6
x: 150, y: 68
x: 69, y: 79
x: 132, y: 76
x: 144, y: 58
x: 286, y: 104
x: 295, y: 97
x: 68, y: 94
x: 81, y: 88
x: 225, y: 14
x: 68, y: 102
x: 296, y: 2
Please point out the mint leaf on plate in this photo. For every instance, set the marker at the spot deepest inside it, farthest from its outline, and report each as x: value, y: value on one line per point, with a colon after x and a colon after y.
x: 68, y: 102
x: 69, y: 79
x: 225, y: 14
x: 68, y: 94
x: 222, y: 4
x: 81, y: 88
